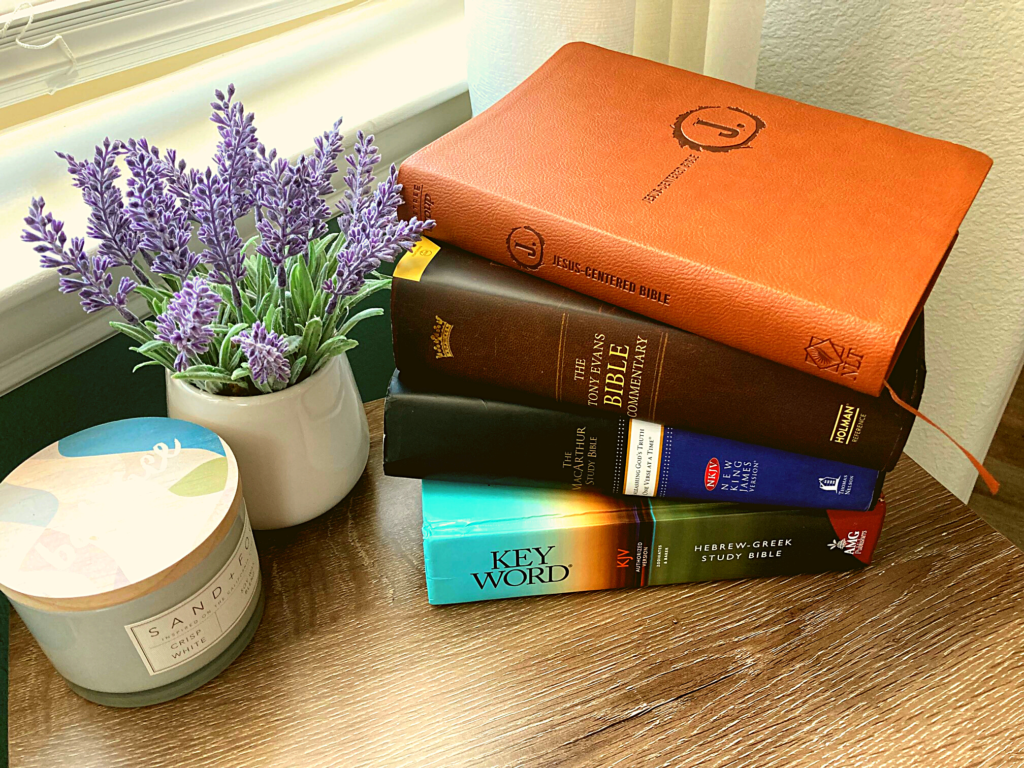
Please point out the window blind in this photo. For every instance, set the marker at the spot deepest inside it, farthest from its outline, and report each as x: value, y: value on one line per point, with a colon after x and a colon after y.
x: 46, y: 45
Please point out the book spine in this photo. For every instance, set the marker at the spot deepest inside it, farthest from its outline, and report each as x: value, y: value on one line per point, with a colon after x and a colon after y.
x: 669, y: 289
x: 548, y: 546
x: 459, y: 316
x: 443, y: 435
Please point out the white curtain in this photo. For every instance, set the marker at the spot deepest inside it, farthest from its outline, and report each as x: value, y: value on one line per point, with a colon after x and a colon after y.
x: 509, y: 39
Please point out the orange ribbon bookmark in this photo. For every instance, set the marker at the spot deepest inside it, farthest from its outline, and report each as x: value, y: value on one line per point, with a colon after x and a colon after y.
x: 990, y: 481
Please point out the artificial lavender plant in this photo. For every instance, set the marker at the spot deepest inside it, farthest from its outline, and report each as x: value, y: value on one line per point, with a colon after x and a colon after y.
x: 231, y: 317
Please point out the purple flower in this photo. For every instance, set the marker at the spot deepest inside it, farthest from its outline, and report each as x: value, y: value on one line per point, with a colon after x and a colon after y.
x: 89, y: 277
x: 326, y: 149
x: 354, y: 262
x: 185, y: 323
x: 292, y: 211
x: 265, y: 351
x: 180, y: 180
x: 358, y: 180
x: 108, y: 221
x: 211, y: 200
x: 373, y: 232
x: 380, y: 225
x: 236, y: 151
x: 155, y: 213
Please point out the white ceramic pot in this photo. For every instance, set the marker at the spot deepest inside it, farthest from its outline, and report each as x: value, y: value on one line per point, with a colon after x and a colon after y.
x: 299, y: 450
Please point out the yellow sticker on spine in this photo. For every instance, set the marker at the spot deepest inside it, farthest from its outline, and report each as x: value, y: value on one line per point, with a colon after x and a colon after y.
x: 411, y: 266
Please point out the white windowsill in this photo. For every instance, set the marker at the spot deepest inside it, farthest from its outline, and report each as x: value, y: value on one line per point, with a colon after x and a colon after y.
x: 395, y: 68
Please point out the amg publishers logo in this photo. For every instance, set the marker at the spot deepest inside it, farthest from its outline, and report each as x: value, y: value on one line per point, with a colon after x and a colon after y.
x: 441, y: 338
x: 526, y: 247
x: 521, y: 567
x: 853, y: 544
x: 716, y: 129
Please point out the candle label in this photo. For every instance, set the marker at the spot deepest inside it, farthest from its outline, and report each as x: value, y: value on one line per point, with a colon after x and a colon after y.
x: 194, y: 626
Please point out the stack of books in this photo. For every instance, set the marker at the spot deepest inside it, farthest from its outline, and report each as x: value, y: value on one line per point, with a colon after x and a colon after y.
x: 663, y: 332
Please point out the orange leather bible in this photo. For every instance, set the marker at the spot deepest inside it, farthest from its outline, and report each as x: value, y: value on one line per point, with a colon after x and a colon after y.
x: 801, y: 235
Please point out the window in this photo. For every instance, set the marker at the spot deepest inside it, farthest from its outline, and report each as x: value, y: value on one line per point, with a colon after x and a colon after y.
x: 47, y: 45
x: 361, y: 60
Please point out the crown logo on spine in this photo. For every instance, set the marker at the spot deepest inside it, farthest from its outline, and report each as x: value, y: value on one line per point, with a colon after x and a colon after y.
x: 442, y: 338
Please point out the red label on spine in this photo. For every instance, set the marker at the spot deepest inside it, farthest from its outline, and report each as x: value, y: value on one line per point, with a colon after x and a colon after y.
x: 857, y: 532
x: 711, y: 474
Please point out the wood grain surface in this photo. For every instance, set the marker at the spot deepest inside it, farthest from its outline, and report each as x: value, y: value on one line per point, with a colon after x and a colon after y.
x: 916, y: 660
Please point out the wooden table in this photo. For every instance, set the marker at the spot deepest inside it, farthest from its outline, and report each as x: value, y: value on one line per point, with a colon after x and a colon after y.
x: 917, y: 660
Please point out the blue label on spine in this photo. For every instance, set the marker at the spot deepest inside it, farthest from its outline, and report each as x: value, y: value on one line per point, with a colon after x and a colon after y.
x: 674, y: 463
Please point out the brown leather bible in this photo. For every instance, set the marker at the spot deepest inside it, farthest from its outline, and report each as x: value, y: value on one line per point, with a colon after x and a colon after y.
x: 797, y: 234
x: 466, y: 319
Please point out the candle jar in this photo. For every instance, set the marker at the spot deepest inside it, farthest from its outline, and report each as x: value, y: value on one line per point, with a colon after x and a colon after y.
x: 127, y: 551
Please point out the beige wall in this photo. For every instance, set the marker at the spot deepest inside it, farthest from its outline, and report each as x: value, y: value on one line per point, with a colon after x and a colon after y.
x: 955, y: 71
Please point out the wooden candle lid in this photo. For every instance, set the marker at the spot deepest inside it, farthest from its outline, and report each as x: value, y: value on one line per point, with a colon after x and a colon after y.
x: 114, y: 512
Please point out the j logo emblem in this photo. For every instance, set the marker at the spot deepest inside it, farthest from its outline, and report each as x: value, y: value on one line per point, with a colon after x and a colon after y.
x: 716, y: 129
x: 526, y: 247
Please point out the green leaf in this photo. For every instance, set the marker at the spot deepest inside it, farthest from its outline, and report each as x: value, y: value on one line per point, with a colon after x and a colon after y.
x: 157, y: 299
x: 336, y: 345
x: 302, y: 289
x: 173, y: 283
x: 153, y: 344
x: 187, y: 376
x: 315, y: 255
x: 270, y: 318
x: 358, y: 317
x: 249, y: 243
x: 226, y: 347
x: 205, y: 369
x: 241, y: 372
x: 323, y: 245
x: 153, y: 294
x: 260, y: 308
x: 164, y: 357
x: 141, y: 334
x: 297, y: 367
x: 369, y: 288
x: 293, y: 343
x: 319, y: 304
x: 247, y: 314
x: 332, y: 251
x: 144, y: 363
x: 167, y: 361
x: 331, y: 348
x: 311, y: 336
x: 265, y: 271
x: 270, y: 299
x: 224, y: 291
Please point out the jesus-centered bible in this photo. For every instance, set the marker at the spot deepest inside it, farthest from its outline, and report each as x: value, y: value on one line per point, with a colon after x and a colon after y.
x: 800, y: 235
